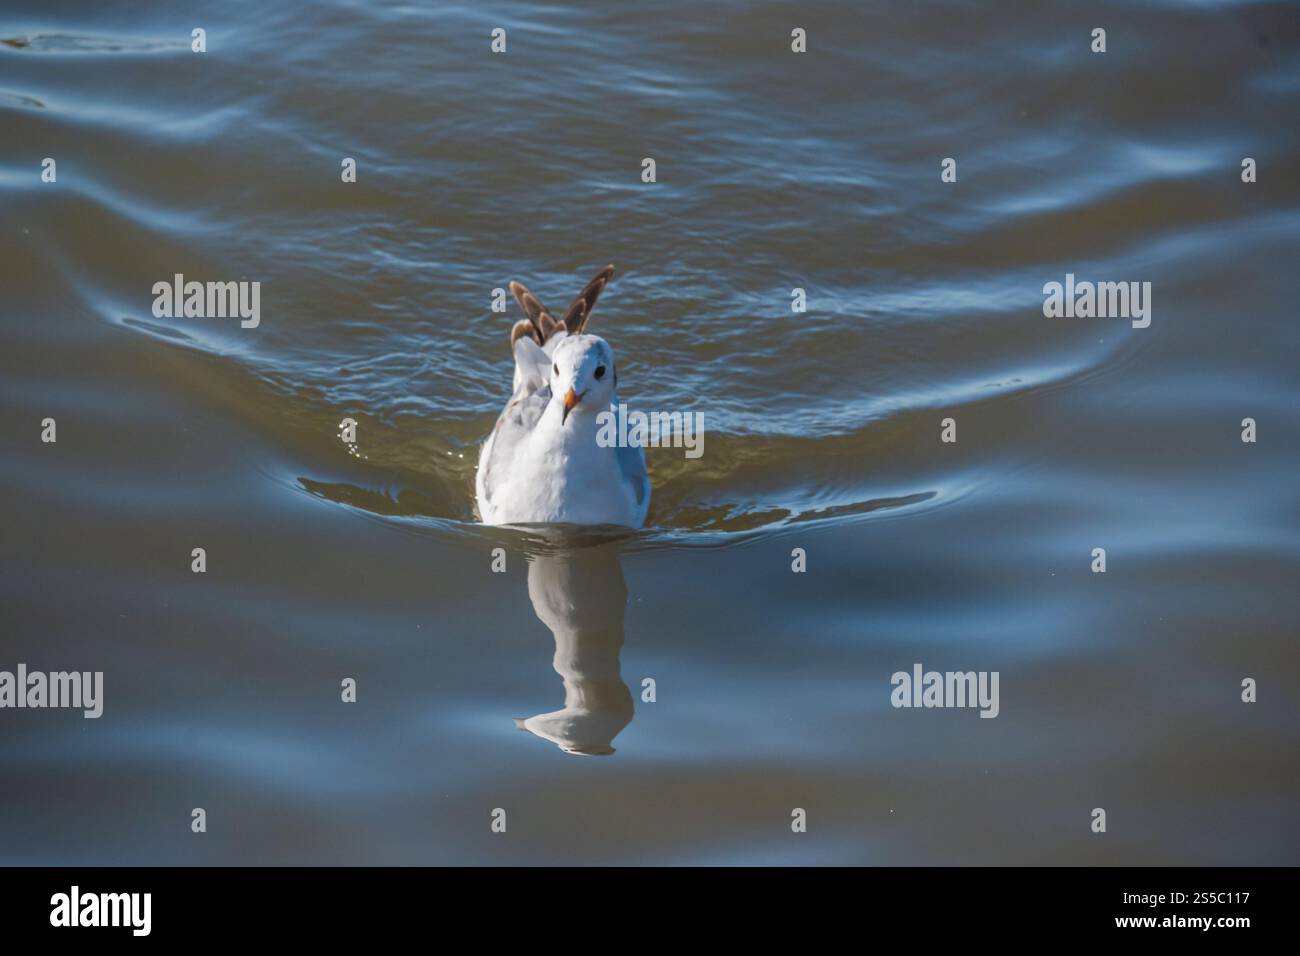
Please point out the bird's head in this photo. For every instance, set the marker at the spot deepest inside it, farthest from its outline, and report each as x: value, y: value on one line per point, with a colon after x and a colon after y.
x: 582, y: 375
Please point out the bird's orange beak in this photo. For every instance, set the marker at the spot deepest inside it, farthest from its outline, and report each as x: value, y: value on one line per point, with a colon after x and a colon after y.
x: 570, y: 399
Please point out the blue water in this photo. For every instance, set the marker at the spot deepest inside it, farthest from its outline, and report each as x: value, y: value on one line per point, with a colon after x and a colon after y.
x: 775, y: 171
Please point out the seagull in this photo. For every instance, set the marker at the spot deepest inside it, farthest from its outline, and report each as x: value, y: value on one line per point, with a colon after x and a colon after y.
x: 543, y: 463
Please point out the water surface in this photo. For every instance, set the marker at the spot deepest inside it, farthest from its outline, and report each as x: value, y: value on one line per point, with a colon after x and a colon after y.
x: 775, y: 171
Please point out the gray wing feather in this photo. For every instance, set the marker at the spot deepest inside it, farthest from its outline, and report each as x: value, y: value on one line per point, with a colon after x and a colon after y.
x: 517, y: 419
x: 631, y: 462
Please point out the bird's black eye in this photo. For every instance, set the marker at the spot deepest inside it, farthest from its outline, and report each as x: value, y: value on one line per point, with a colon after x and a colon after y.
x: 600, y: 371
x: 556, y: 368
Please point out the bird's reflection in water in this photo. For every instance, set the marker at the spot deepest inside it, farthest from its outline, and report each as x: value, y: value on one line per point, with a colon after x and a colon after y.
x: 581, y: 596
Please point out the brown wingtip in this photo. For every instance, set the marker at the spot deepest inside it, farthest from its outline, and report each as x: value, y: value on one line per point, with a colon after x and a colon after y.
x: 575, y: 320
x: 523, y: 329
x: 542, y: 324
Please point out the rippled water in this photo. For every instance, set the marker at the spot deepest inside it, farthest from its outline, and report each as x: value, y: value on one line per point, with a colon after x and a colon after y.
x: 775, y: 171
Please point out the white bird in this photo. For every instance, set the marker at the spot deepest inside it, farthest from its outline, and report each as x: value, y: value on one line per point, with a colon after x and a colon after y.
x: 543, y: 463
